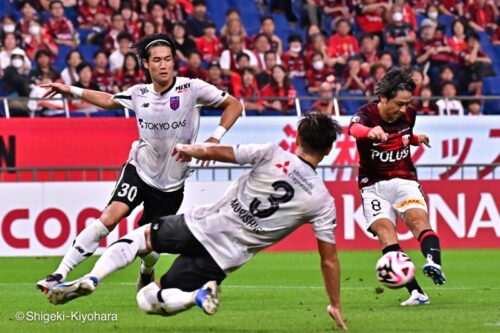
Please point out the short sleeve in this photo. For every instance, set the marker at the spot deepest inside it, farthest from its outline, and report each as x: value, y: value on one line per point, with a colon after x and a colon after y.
x: 253, y: 153
x: 207, y: 94
x: 325, y: 221
x: 124, y: 98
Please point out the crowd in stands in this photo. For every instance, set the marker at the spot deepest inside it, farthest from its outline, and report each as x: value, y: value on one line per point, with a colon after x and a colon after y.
x: 329, y: 48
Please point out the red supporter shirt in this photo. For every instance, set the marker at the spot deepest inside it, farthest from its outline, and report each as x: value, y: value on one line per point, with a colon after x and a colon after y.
x: 458, y: 46
x: 480, y: 15
x: 209, y: 49
x: 295, y: 64
x: 344, y: 47
x: 335, y: 4
x: 104, y: 80
x: 315, y: 78
x: 60, y: 29
x: 250, y: 91
x: 86, y: 15
x: 31, y: 46
x: 269, y: 91
x: 363, y: 75
x: 388, y: 160
x: 451, y: 5
x: 369, y: 22
x: 127, y: 80
x: 423, y: 45
x: 193, y: 74
x: 223, y: 84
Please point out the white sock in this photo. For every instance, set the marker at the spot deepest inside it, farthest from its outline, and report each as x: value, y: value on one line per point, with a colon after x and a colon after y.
x: 148, y: 262
x: 120, y: 254
x: 172, y: 300
x: 83, y: 247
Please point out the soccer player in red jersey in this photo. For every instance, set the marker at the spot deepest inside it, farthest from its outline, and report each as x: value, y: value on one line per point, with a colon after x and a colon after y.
x: 387, y: 177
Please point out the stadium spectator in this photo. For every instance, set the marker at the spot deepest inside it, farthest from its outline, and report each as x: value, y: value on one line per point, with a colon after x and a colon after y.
x: 335, y: 9
x: 432, y: 48
x: 84, y: 71
x: 432, y: 13
x: 312, y: 8
x: 117, y: 26
x: 148, y: 28
x: 28, y: 13
x: 377, y: 72
x: 426, y: 106
x: 446, y: 74
x: 228, y: 57
x: 318, y: 74
x: 386, y: 59
x: 408, y: 13
x: 317, y: 45
x: 284, y: 7
x: 249, y: 89
x: 458, y: 42
x: 324, y: 103
x: 116, y: 58
x: 311, y: 31
x: 10, y: 25
x: 260, y: 47
x: 264, y: 77
x: 174, y: 12
x: 398, y: 33
x: 93, y: 14
x: 477, y: 65
x: 9, y: 43
x: 293, y: 59
x: 234, y: 27
x: 142, y: 8
x: 16, y: 82
x: 43, y: 69
x: 101, y: 76
x: 482, y: 15
x: 198, y: 21
x: 184, y: 45
x: 267, y: 27
x: 208, y: 45
x: 60, y: 28
x: 342, y: 45
x: 193, y: 67
x: 474, y: 108
x: 130, y: 74
x: 448, y: 104
x: 369, y: 54
x: 69, y: 74
x: 419, y: 6
x: 405, y: 58
x: 420, y: 79
x: 156, y: 9
x: 38, y: 39
x: 131, y: 21
x: 279, y: 86
x: 369, y: 15
x: 451, y: 7
x: 354, y: 75
x: 214, y: 77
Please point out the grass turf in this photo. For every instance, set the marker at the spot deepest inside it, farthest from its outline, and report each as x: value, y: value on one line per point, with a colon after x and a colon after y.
x: 275, y: 292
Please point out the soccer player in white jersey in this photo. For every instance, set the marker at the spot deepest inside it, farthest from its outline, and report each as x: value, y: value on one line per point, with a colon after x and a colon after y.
x: 167, y: 113
x: 280, y: 193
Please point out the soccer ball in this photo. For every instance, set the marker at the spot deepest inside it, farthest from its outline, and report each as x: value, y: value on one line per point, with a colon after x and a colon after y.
x: 395, y: 269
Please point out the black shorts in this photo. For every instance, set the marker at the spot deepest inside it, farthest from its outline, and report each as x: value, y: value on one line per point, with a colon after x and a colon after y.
x: 195, y: 266
x: 132, y: 191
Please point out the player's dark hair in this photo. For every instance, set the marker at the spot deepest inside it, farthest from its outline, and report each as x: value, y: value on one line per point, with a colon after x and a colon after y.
x: 144, y: 45
x: 396, y: 79
x: 318, y: 132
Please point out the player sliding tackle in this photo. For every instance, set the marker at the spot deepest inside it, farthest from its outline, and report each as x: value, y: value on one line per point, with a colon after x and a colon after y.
x: 167, y: 113
x: 387, y: 177
x: 280, y: 193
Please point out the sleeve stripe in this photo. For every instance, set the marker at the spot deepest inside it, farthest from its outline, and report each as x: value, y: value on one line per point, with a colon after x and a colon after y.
x: 122, y: 97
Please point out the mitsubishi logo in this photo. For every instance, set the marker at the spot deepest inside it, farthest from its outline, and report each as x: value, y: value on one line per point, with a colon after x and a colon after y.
x: 284, y: 166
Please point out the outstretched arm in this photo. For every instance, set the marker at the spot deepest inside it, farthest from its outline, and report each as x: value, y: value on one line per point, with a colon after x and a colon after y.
x: 98, y: 98
x: 232, y: 110
x: 204, y: 152
x: 330, y: 268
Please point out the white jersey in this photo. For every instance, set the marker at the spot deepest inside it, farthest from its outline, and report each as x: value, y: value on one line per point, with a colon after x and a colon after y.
x: 165, y: 119
x: 280, y: 193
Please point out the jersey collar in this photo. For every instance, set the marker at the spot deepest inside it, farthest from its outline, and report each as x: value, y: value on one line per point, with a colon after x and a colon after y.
x: 308, y: 163
x: 166, y: 90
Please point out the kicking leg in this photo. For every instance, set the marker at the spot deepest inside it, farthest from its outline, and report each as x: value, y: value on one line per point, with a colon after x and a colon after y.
x: 386, y: 233
x: 86, y: 243
x: 117, y: 256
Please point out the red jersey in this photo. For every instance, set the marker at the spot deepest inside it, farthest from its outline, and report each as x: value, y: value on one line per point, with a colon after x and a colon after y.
x: 60, y: 29
x: 86, y: 14
x: 423, y: 45
x: 250, y: 91
x: 458, y: 46
x: 286, y: 104
x: 388, y: 160
x: 103, y: 80
x: 345, y: 47
x: 209, y: 49
x: 295, y: 65
x: 369, y: 22
x: 193, y: 74
x: 480, y: 15
x: 127, y: 80
x: 314, y: 77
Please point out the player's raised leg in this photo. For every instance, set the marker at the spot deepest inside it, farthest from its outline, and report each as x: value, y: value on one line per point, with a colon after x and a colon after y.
x: 386, y: 233
x: 117, y: 256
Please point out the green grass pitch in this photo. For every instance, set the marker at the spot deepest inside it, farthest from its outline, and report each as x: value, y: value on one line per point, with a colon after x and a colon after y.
x: 275, y: 292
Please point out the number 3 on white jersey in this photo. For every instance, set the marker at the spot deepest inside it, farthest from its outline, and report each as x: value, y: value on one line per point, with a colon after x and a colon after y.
x: 128, y: 191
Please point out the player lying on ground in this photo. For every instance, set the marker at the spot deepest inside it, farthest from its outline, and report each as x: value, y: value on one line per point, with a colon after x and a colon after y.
x: 387, y: 177
x: 167, y: 113
x: 280, y: 193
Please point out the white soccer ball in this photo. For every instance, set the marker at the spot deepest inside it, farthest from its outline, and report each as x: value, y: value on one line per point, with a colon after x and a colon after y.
x: 395, y: 269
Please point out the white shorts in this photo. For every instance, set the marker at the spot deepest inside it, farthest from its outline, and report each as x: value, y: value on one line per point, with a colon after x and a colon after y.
x: 387, y: 197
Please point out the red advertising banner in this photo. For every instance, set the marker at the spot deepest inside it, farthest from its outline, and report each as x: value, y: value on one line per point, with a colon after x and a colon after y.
x: 465, y: 214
